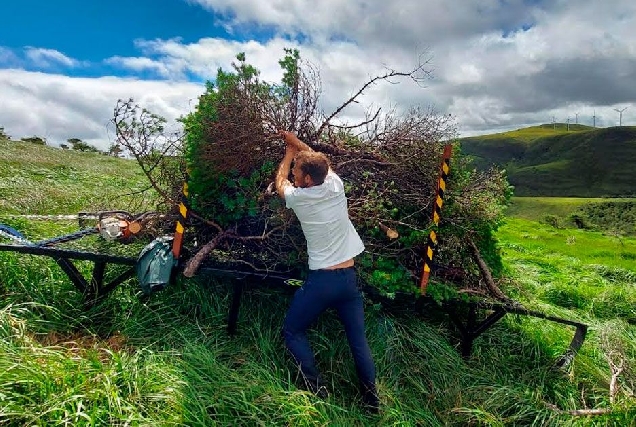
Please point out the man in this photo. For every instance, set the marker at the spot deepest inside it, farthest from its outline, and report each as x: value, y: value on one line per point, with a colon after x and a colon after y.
x: 318, y: 199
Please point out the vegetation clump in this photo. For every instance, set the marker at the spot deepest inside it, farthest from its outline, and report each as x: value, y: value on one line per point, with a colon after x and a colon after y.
x: 390, y: 163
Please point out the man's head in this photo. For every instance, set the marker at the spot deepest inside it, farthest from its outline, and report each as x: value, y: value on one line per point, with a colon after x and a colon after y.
x: 310, y: 168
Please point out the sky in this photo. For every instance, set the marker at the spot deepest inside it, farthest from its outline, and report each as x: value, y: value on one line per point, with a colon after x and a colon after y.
x: 495, y: 65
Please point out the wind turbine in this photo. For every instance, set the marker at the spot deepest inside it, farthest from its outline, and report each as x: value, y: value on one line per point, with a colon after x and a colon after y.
x: 620, y: 115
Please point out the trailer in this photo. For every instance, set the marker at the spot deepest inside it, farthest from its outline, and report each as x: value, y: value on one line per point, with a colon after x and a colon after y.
x: 471, y: 319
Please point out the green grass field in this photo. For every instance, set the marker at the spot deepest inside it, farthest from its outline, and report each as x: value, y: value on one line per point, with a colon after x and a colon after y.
x: 38, y: 180
x: 167, y: 360
x: 535, y: 208
x: 532, y: 133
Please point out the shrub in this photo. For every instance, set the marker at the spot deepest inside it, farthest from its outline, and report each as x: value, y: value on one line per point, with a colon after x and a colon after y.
x: 390, y: 171
x: 35, y: 140
x: 552, y: 220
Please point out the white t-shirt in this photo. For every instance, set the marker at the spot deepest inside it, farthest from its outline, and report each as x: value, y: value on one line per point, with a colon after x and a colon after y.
x: 324, y: 217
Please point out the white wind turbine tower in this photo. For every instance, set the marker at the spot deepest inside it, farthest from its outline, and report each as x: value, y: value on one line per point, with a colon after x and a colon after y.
x: 620, y: 115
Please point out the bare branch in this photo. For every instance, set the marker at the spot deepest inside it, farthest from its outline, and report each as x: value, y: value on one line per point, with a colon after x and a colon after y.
x: 386, y: 76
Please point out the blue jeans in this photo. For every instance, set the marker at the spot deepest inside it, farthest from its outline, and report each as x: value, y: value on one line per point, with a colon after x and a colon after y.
x: 325, y: 289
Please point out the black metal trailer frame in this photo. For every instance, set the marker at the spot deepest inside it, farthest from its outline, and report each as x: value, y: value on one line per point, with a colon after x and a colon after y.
x: 481, y: 316
x: 93, y: 288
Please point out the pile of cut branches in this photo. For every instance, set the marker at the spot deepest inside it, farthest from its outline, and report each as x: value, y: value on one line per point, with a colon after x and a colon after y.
x: 389, y: 162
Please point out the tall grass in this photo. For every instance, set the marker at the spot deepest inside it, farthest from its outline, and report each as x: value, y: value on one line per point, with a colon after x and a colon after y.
x: 168, y: 360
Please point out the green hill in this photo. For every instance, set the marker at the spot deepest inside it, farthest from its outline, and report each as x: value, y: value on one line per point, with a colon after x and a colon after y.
x: 551, y: 160
x: 38, y: 179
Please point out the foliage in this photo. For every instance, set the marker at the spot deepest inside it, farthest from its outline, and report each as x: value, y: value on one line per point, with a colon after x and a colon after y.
x: 229, y: 163
x: 534, y: 208
x: 80, y: 145
x: 552, y: 220
x: 389, y: 163
x: 610, y: 215
x: 35, y: 140
x: 3, y: 134
x: 157, y: 149
x: 115, y: 150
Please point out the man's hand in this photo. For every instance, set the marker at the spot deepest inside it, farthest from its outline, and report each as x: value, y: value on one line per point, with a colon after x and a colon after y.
x: 292, y: 140
x: 291, y: 150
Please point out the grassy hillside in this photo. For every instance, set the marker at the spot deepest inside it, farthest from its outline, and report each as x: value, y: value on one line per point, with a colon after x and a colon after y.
x: 616, y: 216
x: 167, y: 360
x: 37, y: 179
x: 536, y: 208
x: 543, y: 161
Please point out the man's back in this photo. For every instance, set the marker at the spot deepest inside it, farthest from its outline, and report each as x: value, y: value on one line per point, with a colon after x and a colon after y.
x: 323, y: 215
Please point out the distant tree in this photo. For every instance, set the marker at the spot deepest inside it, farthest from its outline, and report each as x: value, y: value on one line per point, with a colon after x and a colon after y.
x: 80, y: 145
x: 35, y: 140
x: 115, y: 150
x: 64, y: 146
x: 3, y: 134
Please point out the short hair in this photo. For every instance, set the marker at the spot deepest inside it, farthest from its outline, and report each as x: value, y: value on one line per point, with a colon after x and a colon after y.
x: 313, y: 163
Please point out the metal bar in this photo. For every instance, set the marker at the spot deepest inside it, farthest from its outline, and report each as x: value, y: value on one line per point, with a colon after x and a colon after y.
x: 473, y: 330
x: 237, y: 294
x: 469, y: 336
x: 523, y: 311
x: 67, y: 237
x: 98, y: 277
x: 13, y: 234
x: 464, y: 333
x: 241, y: 274
x: 109, y: 287
x: 177, y: 243
x: 73, y: 274
x: 488, y: 322
x: 68, y: 254
x: 577, y: 341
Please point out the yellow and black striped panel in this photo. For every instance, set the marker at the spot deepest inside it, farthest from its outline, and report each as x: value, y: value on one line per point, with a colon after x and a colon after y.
x: 431, y: 244
x: 177, y: 243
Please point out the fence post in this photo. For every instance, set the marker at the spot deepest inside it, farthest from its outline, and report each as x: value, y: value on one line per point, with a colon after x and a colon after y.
x: 431, y: 245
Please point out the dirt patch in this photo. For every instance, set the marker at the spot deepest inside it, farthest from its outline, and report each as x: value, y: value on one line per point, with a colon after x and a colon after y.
x: 80, y: 344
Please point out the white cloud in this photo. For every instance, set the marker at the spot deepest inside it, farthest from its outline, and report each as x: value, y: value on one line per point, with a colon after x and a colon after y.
x: 527, y: 59
x: 497, y: 65
x: 141, y: 64
x: 7, y: 57
x: 344, y: 67
x: 45, y: 58
x: 59, y: 107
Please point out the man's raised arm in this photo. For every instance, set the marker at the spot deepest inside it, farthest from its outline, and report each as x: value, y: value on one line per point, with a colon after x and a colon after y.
x: 283, y: 171
x: 291, y: 139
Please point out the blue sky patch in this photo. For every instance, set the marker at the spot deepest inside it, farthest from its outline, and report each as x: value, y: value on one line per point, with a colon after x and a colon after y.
x: 93, y: 31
